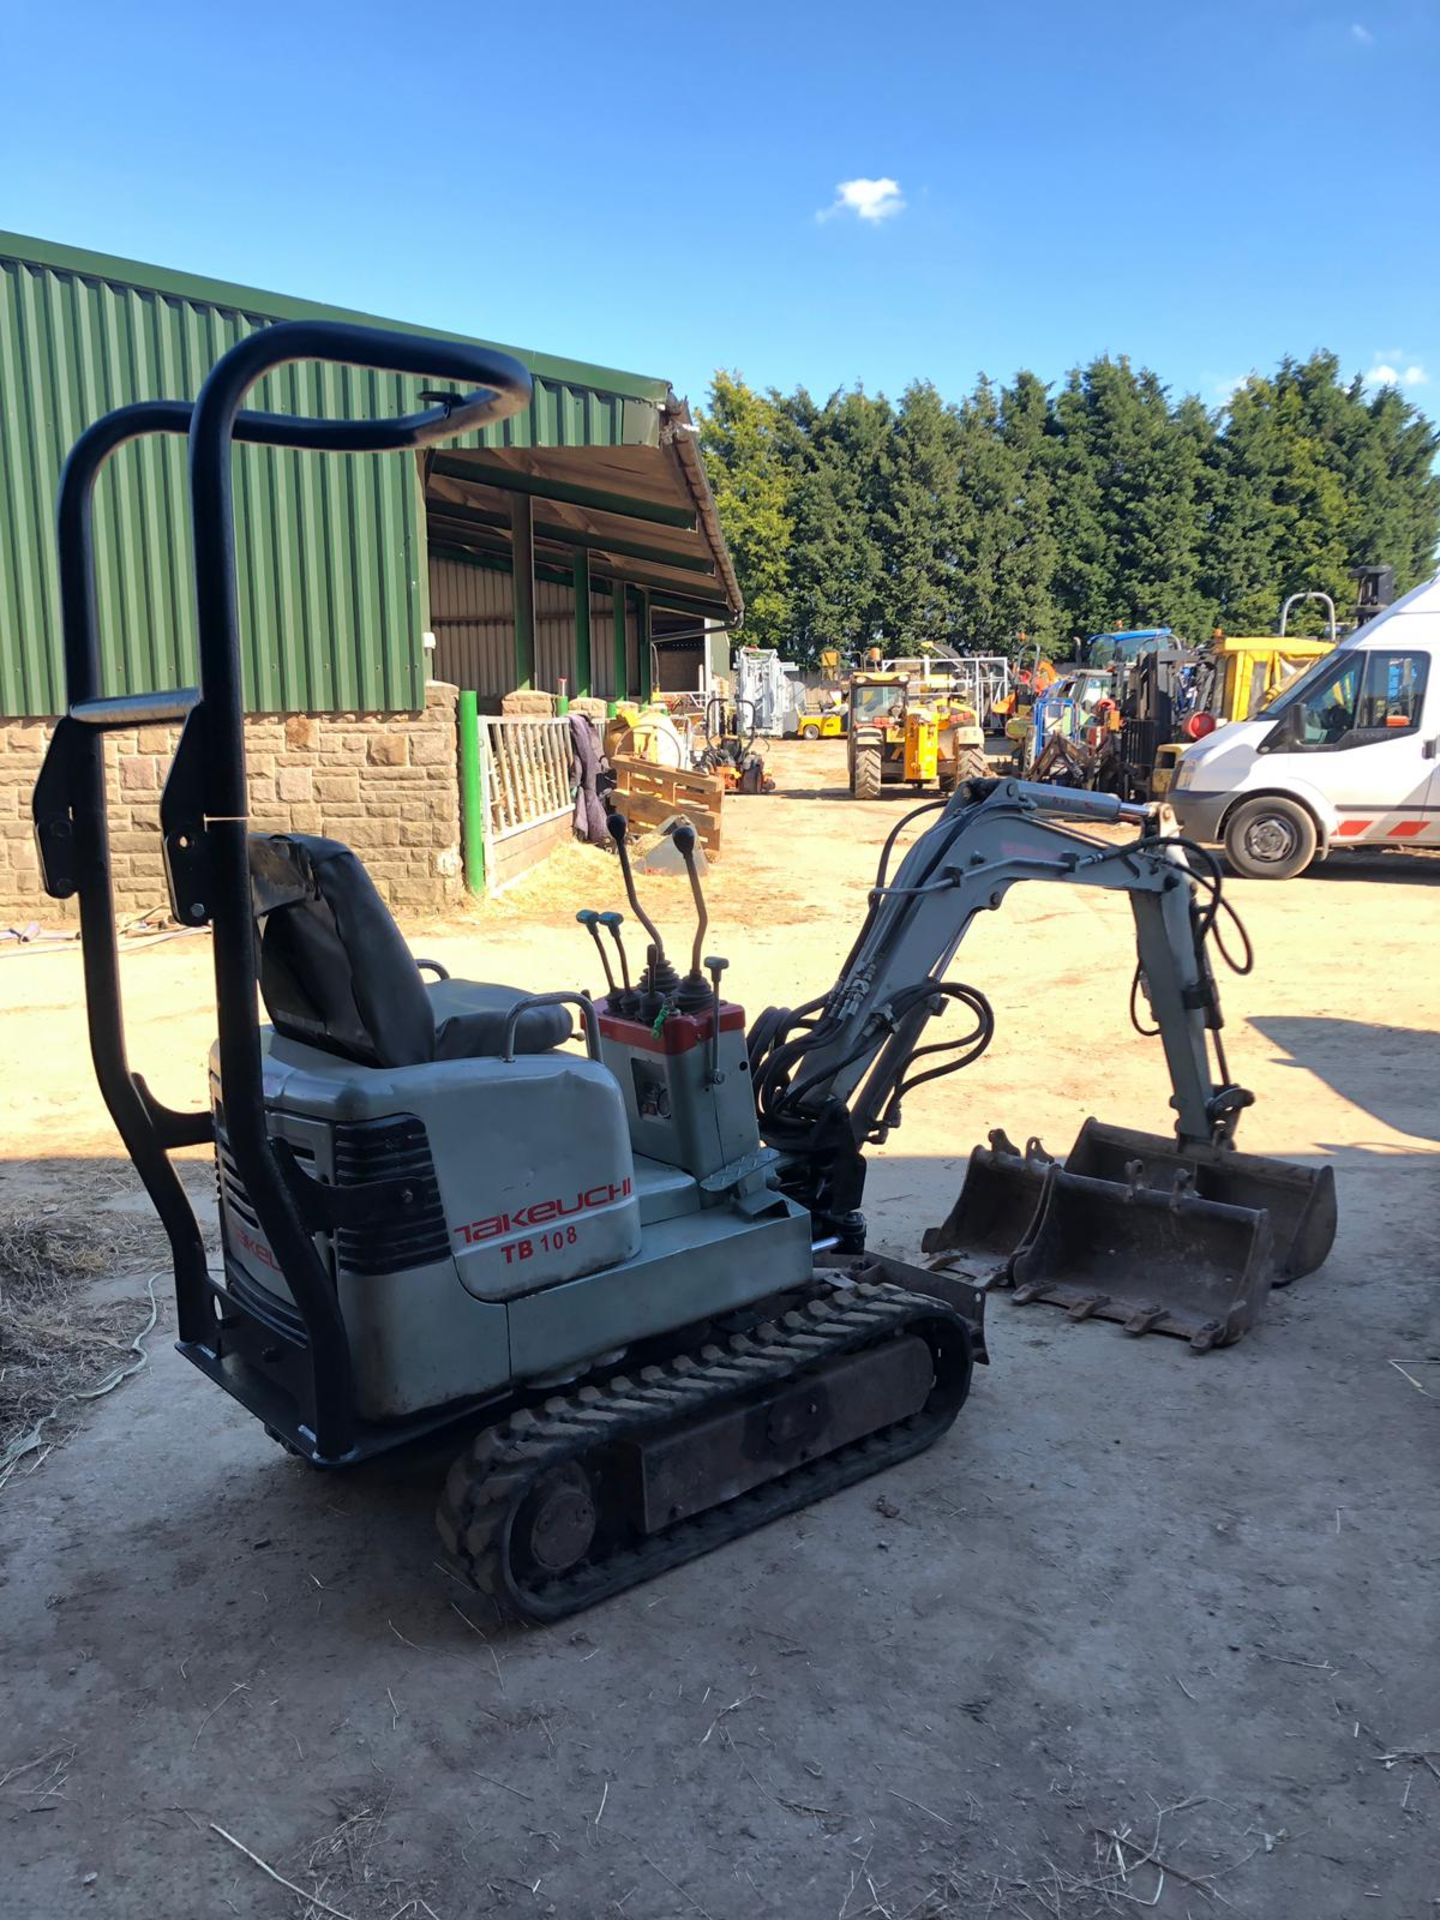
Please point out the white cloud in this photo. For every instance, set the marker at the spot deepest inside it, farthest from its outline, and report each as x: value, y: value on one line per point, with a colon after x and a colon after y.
x: 1385, y: 373
x: 1362, y: 36
x: 867, y: 199
x: 1226, y: 390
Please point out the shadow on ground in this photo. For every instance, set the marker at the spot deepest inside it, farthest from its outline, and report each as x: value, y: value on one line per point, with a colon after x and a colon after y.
x: 1395, y: 864
x: 1391, y: 1072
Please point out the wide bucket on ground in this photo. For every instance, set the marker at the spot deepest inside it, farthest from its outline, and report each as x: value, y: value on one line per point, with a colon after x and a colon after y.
x: 1156, y: 1262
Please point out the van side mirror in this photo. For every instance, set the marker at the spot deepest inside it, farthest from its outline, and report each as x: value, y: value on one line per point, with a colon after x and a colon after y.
x: 1280, y: 735
x: 1431, y: 749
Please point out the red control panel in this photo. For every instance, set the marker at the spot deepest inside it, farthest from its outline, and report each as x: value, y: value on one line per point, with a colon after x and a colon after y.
x: 676, y: 1033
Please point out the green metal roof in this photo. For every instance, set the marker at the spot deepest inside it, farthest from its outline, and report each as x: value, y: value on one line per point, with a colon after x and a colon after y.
x: 331, y: 553
x: 281, y: 306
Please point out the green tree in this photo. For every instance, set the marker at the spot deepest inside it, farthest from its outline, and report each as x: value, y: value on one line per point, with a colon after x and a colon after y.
x: 839, y: 455
x: 1318, y: 478
x: 921, y: 524
x: 857, y: 522
x: 992, y: 606
x: 1132, y: 502
x: 1084, y: 581
x: 1286, y: 508
x: 1395, y: 491
x: 744, y: 436
x: 1026, y: 600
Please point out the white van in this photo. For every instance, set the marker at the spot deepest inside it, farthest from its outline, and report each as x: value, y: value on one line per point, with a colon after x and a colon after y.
x: 1345, y: 757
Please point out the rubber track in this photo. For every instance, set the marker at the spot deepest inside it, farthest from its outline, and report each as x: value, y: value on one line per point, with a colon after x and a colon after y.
x: 488, y: 1483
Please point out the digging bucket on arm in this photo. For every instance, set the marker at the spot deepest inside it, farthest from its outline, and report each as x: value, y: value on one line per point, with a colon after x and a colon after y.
x: 1300, y: 1201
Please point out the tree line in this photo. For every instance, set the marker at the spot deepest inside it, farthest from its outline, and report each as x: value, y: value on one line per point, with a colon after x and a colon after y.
x: 859, y: 522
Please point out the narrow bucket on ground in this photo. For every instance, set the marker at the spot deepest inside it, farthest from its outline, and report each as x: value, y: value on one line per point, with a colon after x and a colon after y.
x: 1299, y: 1200
x: 995, y: 1208
x: 1156, y: 1262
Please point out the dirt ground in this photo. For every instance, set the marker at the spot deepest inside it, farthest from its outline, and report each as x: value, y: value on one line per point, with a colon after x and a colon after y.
x: 1195, y: 1602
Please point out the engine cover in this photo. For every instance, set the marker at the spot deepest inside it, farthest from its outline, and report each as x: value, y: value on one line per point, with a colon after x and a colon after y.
x: 531, y: 1157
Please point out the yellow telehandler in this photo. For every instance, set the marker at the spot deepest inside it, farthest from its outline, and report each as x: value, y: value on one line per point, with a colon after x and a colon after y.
x: 895, y: 740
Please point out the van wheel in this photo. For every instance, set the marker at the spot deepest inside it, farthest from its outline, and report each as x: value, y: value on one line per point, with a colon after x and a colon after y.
x: 1270, y: 839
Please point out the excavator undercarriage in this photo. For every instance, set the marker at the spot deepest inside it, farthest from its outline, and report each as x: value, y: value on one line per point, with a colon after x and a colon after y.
x: 561, y: 1505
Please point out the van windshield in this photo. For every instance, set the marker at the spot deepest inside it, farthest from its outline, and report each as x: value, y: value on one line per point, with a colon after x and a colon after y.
x: 1300, y: 690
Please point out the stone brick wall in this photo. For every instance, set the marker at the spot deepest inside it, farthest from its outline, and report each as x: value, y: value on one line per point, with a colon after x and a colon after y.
x: 385, y: 783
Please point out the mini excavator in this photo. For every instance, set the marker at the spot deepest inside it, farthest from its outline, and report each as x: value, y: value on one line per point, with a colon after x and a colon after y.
x: 624, y: 1269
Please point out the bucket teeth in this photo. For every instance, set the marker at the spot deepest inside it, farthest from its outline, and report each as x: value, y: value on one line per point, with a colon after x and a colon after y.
x: 1143, y: 1319
x: 1082, y: 1309
x: 1154, y: 1261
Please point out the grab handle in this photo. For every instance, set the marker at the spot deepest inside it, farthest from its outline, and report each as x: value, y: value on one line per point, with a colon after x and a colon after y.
x: 587, y: 1014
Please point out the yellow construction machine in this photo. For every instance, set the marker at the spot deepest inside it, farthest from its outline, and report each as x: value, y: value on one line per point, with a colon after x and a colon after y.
x: 895, y: 740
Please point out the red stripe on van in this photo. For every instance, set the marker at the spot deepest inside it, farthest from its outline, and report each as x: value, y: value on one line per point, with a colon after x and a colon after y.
x: 1406, y: 829
x: 1348, y: 829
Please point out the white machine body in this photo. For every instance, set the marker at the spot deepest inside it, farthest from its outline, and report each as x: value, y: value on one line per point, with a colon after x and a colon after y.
x: 536, y: 1245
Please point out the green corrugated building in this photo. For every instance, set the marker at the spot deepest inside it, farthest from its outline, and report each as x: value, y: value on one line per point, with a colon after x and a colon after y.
x: 515, y: 548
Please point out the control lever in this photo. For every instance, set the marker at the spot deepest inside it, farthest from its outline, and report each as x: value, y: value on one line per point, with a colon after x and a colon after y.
x: 659, y: 976
x: 590, y: 920
x: 716, y: 967
x: 693, y: 990
x: 614, y: 921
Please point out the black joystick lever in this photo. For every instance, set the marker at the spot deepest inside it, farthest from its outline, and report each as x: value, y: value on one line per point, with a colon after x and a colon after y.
x: 659, y: 977
x: 624, y: 997
x: 590, y: 920
x: 694, y: 991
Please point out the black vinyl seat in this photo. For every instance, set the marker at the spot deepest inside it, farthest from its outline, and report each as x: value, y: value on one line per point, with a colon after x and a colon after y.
x: 335, y: 971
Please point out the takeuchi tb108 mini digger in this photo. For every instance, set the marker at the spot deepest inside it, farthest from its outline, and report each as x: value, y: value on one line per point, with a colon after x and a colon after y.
x: 625, y: 1266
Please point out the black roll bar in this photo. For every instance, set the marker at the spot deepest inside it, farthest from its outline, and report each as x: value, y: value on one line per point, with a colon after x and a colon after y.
x: 69, y: 803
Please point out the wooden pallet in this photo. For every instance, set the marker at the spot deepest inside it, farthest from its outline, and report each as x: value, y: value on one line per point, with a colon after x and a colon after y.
x: 648, y: 796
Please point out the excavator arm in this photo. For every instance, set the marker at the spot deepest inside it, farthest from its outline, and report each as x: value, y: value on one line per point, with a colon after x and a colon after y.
x: 830, y: 1077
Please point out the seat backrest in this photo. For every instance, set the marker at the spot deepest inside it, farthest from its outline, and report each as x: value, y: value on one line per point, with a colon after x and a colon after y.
x: 335, y: 971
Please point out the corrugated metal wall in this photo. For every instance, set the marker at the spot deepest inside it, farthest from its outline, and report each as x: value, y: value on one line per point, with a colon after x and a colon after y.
x: 471, y: 615
x: 330, y: 551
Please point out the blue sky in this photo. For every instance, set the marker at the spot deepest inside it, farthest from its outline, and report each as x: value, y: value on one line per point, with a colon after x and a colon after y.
x: 664, y: 188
